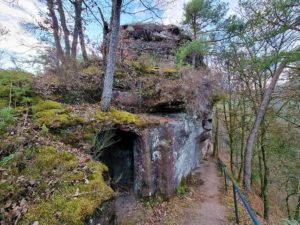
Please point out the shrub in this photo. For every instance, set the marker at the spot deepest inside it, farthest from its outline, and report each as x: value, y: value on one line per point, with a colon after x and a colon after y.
x: 7, y: 117
x: 16, y: 88
x: 189, y: 48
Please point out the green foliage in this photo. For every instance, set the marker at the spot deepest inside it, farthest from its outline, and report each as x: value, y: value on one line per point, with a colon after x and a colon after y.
x: 7, y: 117
x: 17, y: 86
x: 45, y: 129
x: 103, y: 141
x: 182, y: 189
x: 202, y: 14
x: 197, y: 47
x: 234, y: 25
x: 6, y: 160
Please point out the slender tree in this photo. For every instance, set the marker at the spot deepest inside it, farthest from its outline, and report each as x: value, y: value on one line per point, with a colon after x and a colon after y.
x: 112, y: 55
x: 65, y: 28
x: 203, y: 17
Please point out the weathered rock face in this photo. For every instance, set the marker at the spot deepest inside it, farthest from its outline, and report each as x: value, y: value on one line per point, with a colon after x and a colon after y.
x: 163, y: 156
x: 153, y: 39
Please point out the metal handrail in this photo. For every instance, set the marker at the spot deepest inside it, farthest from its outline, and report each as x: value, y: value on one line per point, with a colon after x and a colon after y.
x: 236, y: 191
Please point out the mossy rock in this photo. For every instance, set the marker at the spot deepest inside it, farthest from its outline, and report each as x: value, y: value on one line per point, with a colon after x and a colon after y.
x: 64, y: 190
x: 118, y: 117
x: 169, y: 71
x: 151, y: 70
x: 54, y: 114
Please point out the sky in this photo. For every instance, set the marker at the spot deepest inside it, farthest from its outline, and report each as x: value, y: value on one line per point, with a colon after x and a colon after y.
x: 23, y: 44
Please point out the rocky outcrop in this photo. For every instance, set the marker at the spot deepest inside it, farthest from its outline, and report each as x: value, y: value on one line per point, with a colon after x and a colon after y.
x: 164, y: 155
x: 155, y: 159
x: 154, y: 39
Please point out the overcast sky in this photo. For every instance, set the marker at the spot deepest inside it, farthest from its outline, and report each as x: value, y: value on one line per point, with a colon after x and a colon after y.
x: 19, y: 42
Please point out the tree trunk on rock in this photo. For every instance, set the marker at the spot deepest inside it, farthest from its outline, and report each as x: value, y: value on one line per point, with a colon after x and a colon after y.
x: 112, y: 56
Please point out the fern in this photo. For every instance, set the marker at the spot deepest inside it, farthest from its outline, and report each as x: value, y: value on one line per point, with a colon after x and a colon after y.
x: 103, y: 141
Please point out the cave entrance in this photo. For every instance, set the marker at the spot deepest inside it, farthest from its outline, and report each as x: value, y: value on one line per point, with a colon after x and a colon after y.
x: 117, y: 154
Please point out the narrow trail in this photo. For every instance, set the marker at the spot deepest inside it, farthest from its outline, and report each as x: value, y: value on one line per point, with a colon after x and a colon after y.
x: 212, y: 211
x: 202, y: 205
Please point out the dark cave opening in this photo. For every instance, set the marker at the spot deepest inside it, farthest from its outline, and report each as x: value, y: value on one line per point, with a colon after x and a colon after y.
x: 119, y: 158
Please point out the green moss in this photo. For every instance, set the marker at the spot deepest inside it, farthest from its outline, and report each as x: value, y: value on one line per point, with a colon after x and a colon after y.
x: 118, y: 117
x: 54, y: 114
x: 77, y: 190
x: 151, y: 70
x: 122, y: 117
x: 46, y: 105
x: 169, y: 71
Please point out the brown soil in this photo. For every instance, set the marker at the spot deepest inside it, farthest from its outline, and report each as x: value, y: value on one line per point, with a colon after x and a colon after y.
x: 201, y: 205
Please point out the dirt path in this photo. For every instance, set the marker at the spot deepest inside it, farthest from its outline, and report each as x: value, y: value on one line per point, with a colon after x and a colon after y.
x: 212, y: 211
x: 201, y: 205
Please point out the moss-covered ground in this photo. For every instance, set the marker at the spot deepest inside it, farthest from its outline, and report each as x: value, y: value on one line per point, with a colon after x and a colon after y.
x: 51, y: 186
x: 46, y: 172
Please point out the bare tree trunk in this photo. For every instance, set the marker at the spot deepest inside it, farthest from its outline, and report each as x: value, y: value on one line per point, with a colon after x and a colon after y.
x: 112, y: 56
x: 79, y: 30
x: 74, y: 43
x: 65, y: 28
x: 261, y: 176
x: 82, y: 43
x: 55, y: 27
x: 105, y: 38
x: 259, y: 118
x: 75, y: 31
x: 243, y: 124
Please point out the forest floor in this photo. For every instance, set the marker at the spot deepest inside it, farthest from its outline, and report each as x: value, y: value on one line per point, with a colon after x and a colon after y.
x: 202, y: 203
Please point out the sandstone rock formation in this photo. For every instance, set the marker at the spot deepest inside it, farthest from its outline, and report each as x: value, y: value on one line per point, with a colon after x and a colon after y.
x: 154, y: 39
